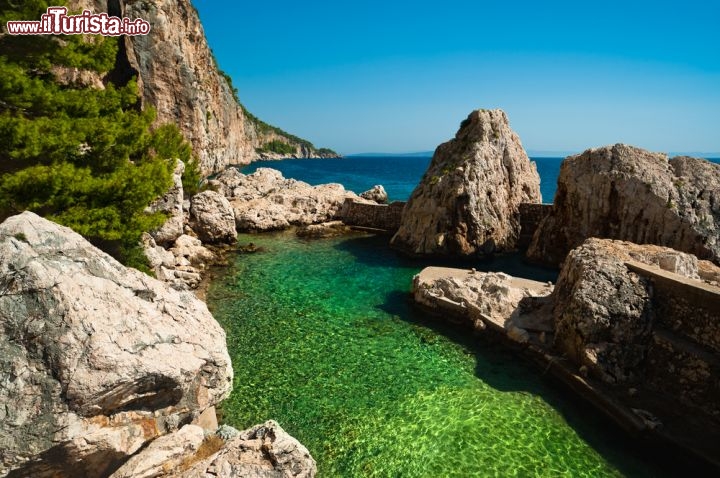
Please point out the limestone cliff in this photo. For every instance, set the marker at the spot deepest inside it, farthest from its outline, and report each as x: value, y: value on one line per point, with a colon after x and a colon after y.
x: 179, y: 77
x: 467, y: 202
x: 623, y: 192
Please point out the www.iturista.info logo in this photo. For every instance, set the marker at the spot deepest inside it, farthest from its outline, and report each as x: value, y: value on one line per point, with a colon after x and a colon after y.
x: 57, y: 22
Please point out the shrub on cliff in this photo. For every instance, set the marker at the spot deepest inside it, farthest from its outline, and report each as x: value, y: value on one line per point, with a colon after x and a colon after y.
x: 82, y: 156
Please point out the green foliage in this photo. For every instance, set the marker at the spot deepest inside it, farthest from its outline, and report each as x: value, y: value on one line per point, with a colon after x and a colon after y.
x: 277, y: 146
x: 94, y: 53
x: 83, y: 157
x: 327, y: 152
x: 168, y: 142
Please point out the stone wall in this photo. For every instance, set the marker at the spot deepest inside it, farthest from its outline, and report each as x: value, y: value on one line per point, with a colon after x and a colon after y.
x: 683, y: 356
x: 530, y: 216
x: 384, y: 217
x: 387, y: 217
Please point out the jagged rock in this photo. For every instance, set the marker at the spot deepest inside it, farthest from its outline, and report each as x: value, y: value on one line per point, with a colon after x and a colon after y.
x: 178, y: 76
x: 265, y: 200
x: 467, y: 202
x: 623, y: 192
x: 172, y: 204
x: 212, y: 218
x: 603, y: 312
x: 157, y: 256
x: 97, y: 358
x: 376, y: 193
x: 191, y: 250
x: 264, y: 451
x: 163, y: 455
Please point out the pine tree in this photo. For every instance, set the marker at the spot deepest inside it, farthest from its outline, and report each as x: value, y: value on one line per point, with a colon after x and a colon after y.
x: 84, y: 157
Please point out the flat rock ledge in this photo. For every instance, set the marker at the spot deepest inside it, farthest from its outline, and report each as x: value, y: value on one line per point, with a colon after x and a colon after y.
x: 632, y: 329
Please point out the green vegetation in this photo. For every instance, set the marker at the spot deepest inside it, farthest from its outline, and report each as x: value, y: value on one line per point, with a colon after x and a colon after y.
x: 277, y: 146
x: 83, y: 157
x: 327, y: 152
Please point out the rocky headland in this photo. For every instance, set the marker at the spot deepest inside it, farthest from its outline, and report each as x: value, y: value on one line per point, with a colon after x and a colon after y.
x: 111, y: 371
x: 627, y: 193
x: 178, y: 75
x: 467, y: 202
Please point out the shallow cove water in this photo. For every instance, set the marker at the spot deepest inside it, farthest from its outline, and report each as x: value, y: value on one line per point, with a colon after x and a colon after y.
x: 324, y: 340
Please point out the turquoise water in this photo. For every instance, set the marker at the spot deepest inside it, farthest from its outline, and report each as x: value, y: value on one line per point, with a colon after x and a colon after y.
x: 398, y: 174
x: 323, y: 340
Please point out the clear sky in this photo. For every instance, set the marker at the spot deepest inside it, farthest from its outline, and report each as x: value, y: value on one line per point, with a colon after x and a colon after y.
x: 397, y: 76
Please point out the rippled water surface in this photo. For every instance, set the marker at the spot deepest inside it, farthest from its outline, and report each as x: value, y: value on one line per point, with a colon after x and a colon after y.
x: 324, y: 341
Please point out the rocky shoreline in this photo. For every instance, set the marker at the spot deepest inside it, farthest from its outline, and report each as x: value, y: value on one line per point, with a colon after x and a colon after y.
x: 119, y: 373
x: 632, y: 328
x: 114, y: 373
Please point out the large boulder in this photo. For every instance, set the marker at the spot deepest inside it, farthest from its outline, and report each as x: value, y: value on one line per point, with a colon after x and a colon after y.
x: 171, y: 203
x: 265, y: 200
x: 467, y: 202
x: 97, y: 359
x: 212, y: 218
x: 623, y: 192
x: 604, y: 311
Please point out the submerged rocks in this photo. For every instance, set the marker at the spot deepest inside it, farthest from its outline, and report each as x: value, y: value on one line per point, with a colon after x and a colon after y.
x: 326, y: 229
x: 212, y: 218
x: 623, y: 192
x: 467, y: 202
x: 265, y: 200
x: 100, y: 359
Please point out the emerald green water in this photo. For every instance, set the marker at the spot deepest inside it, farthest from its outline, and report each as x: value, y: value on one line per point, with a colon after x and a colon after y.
x: 323, y: 341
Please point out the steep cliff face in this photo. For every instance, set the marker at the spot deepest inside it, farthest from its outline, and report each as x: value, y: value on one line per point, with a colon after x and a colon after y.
x: 623, y: 192
x: 467, y: 202
x: 177, y: 75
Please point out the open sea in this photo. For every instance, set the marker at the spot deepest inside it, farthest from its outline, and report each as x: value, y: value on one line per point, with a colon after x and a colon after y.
x: 398, y: 174
x: 324, y: 340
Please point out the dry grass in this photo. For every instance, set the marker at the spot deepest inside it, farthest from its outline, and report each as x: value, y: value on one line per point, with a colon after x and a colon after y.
x: 210, y: 445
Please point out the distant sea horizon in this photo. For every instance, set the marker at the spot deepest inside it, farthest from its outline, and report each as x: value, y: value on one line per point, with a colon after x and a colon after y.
x: 532, y: 153
x: 399, y: 174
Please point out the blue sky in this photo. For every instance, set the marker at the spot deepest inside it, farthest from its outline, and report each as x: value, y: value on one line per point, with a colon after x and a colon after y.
x: 389, y: 76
